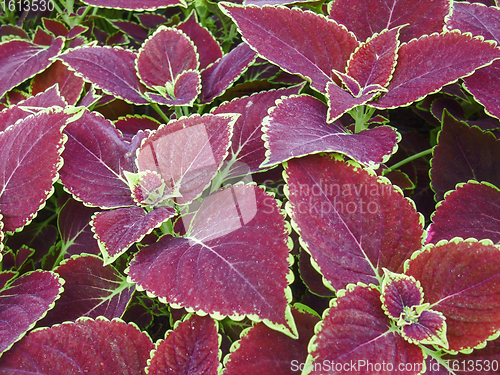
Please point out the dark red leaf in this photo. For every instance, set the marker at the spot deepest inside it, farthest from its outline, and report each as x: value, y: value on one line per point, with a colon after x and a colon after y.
x: 137, y: 5
x: 55, y: 27
x: 476, y: 19
x: 184, y: 90
x: 484, y: 84
x: 311, y: 277
x: 341, y: 101
x: 130, y: 125
x: 430, y: 329
x: 400, y: 291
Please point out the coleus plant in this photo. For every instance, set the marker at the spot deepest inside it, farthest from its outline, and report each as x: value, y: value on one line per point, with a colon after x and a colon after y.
x: 129, y: 212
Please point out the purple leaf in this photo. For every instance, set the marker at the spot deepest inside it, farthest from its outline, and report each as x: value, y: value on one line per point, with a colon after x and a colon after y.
x: 90, y: 290
x: 208, y: 49
x: 117, y: 230
x: 370, y: 224
x: 137, y: 5
x: 247, y: 146
x: 191, y: 348
x: 373, y: 62
x: 365, y: 18
x: 25, y: 301
x: 95, y: 157
x: 183, y: 91
x: 297, y: 126
x: 131, y: 29
x: 218, y: 77
x: 74, y: 227
x: 148, y: 188
x: 188, y: 152
x: 264, y: 351
x: 400, y: 291
x: 300, y: 42
x: 312, y: 278
x: 341, y: 101
x: 5, y: 277
x: 55, y: 27
x: 473, y: 210
x: 429, y: 329
x: 20, y: 60
x: 425, y: 65
x: 226, y: 265
x: 356, y: 331
x: 456, y: 157
x: 476, y: 19
x: 461, y: 279
x: 110, y: 69
x: 484, y: 85
x: 130, y: 125
x: 31, y: 159
x: 94, y: 347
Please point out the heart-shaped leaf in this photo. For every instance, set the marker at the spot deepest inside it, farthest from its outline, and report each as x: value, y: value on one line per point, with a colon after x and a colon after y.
x: 298, y: 126
x: 90, y: 290
x: 471, y: 211
x: 20, y: 60
x: 354, y: 336
x: 226, y: 265
x: 400, y: 291
x: 137, y: 5
x: 370, y: 224
x: 187, y: 153
x: 191, y: 348
x: 86, y: 346
x: 461, y: 279
x: 367, y: 17
x: 96, y: 153
x: 110, y: 69
x: 25, y: 301
x: 425, y: 65
x: 31, y: 160
x: 300, y: 42
x: 429, y: 329
x: 117, y: 230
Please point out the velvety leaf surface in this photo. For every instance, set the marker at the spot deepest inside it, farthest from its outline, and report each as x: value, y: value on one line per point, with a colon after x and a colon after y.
x: 399, y: 291
x: 365, y: 18
x: 300, y: 42
x: 31, y: 159
x: 94, y: 347
x: 471, y: 211
x: 117, y: 230
x: 218, y: 77
x: 130, y: 125
x: 430, y: 329
x: 74, y: 228
x: 95, y: 157
x: 24, y: 302
x: 227, y: 264
x: 188, y: 152
x: 456, y: 158
x: 247, y: 145
x: 312, y: 278
x: 70, y: 85
x: 427, y: 64
x: 351, y: 223
x: 373, y: 62
x: 90, y: 290
x: 164, y: 56
x: 137, y: 5
x: 111, y: 69
x: 191, y: 348
x: 462, y: 281
x: 183, y: 91
x: 341, y: 101
x: 356, y: 330
x: 298, y: 126
x: 484, y: 84
x: 208, y: 49
x: 20, y: 60
x: 476, y: 19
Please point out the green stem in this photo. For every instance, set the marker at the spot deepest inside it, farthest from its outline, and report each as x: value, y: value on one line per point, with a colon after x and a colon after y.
x: 407, y: 160
x: 84, y: 14
x: 361, y: 114
x: 437, y: 357
x: 160, y: 112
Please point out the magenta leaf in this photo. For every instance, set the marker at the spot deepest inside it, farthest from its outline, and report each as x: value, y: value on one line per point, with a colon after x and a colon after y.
x: 95, y: 157
x: 461, y: 279
x: 94, y: 347
x: 425, y: 65
x: 25, y: 301
x: 117, y: 230
x: 300, y: 42
x: 475, y: 19
x: 32, y: 158
x: 400, y: 291
x: 373, y: 62
x: 216, y: 79
x: 110, y: 69
x: 90, y: 290
x: 298, y: 126
x: 130, y: 125
x: 20, y: 60
x: 484, y: 85
x: 137, y: 5
x: 208, y: 49
x: 247, y: 146
x: 367, y: 17
x: 226, y: 265
x: 370, y: 224
x: 148, y: 188
x: 187, y: 152
x: 455, y: 158
x: 191, y: 348
x: 182, y: 91
x: 312, y: 278
x: 429, y: 328
x: 471, y: 211
x: 355, y: 332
